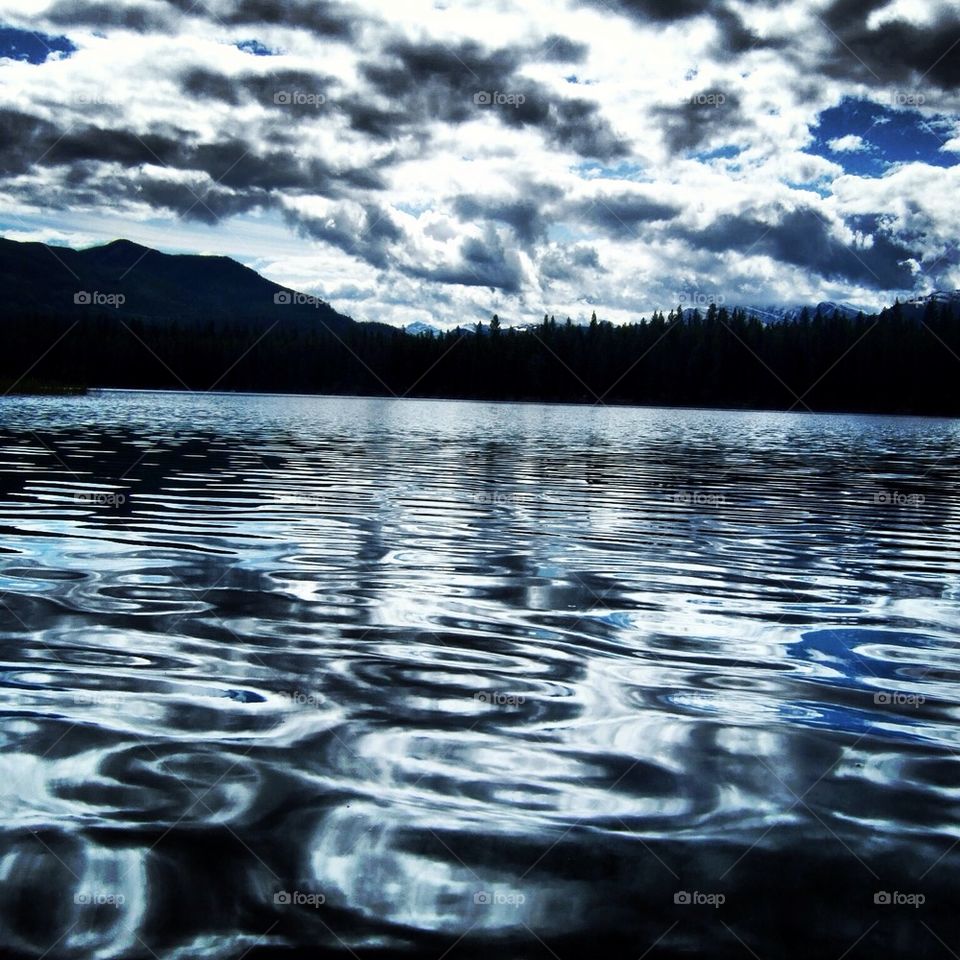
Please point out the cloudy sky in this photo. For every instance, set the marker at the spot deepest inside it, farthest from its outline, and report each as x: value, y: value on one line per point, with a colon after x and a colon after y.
x: 439, y: 160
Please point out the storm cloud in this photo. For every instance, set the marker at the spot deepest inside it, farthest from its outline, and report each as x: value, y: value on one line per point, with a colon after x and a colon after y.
x: 465, y: 159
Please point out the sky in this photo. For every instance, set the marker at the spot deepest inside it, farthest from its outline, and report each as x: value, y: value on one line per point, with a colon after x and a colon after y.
x: 442, y: 160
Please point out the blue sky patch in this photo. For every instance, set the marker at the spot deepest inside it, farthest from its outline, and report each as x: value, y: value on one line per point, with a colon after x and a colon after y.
x: 721, y: 153
x: 624, y: 170
x: 256, y: 48
x: 32, y: 47
x: 866, y: 138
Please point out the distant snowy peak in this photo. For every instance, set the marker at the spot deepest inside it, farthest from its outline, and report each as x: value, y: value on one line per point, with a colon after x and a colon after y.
x: 415, y: 329
x: 915, y: 306
x: 943, y: 298
x: 826, y: 308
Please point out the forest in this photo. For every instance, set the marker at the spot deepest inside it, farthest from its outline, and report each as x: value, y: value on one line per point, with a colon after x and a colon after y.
x: 886, y: 363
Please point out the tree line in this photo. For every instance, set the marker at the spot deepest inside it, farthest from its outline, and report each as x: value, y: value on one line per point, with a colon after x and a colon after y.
x: 886, y: 363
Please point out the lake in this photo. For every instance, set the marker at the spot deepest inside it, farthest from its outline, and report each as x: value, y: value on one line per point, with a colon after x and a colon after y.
x: 290, y: 677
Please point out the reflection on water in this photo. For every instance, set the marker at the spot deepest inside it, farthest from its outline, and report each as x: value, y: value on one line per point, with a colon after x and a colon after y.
x: 287, y: 675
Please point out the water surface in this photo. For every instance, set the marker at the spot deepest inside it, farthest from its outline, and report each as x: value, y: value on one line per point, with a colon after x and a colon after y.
x: 345, y: 677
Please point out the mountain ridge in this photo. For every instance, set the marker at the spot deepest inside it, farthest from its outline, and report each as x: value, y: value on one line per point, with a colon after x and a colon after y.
x: 189, y: 287
x: 146, y: 284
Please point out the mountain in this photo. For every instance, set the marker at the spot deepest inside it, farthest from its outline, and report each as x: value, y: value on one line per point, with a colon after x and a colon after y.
x: 418, y: 328
x: 915, y: 308
x: 787, y: 314
x: 946, y: 300
x: 141, y: 283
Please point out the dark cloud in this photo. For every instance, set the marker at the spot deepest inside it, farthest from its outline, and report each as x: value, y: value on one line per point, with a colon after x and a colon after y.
x: 370, y: 237
x: 804, y: 239
x: 559, y: 49
x: 526, y: 216
x: 659, y: 11
x: 432, y: 82
x: 843, y: 14
x: 26, y: 141
x: 18, y: 132
x: 896, y: 51
x: 418, y: 85
x: 293, y: 93
x: 734, y: 37
x: 698, y: 119
x: 569, y: 263
x: 192, y: 202
x: 325, y: 18
x: 318, y: 16
x: 141, y: 18
x: 484, y: 262
x: 234, y: 164
x: 439, y: 81
x: 577, y: 125
x: 620, y: 215
x: 368, y: 119
x: 200, y: 83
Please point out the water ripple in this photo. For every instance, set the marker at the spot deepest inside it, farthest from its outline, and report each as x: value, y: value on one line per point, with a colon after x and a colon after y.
x: 385, y: 678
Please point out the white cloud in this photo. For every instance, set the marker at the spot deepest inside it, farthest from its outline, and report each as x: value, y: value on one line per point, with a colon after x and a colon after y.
x: 386, y: 161
x: 851, y: 143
